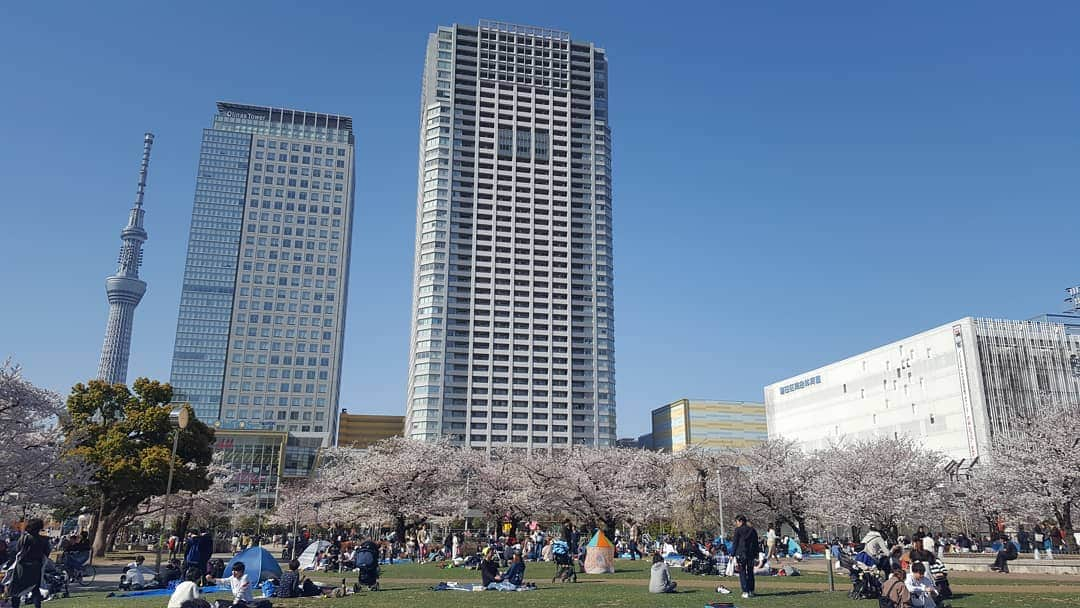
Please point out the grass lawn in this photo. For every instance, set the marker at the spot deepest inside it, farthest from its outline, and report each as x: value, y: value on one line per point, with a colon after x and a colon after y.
x: 406, y: 586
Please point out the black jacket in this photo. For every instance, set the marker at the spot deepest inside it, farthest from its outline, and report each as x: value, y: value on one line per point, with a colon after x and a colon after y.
x: 745, y: 544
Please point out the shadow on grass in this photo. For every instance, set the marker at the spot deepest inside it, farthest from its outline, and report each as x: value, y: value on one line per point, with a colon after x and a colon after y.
x: 787, y: 593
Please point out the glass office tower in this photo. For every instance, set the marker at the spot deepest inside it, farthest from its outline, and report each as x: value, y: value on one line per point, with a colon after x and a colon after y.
x: 512, y: 339
x: 261, y: 328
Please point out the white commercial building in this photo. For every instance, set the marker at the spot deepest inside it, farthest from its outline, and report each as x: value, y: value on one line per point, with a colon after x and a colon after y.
x: 952, y: 388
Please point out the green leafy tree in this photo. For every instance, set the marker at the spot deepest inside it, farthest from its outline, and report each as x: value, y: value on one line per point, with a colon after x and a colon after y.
x: 127, y: 436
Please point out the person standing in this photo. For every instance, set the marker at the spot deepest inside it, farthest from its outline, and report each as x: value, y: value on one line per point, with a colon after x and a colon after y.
x: 875, y: 546
x: 31, y: 551
x: 770, y: 543
x: 1024, y: 539
x: 745, y: 546
x: 635, y: 538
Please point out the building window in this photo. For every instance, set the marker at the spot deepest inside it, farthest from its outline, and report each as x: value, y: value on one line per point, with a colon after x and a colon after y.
x: 506, y: 142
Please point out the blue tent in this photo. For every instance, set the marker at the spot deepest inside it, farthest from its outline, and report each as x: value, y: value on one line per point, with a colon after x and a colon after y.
x: 259, y: 565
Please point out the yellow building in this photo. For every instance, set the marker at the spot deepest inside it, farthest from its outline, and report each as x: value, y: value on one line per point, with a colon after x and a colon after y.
x: 362, y: 430
x: 708, y: 424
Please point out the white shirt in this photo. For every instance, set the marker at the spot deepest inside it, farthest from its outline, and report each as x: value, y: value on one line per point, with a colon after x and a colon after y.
x: 770, y: 536
x: 185, y: 591
x: 136, y: 574
x: 928, y: 543
x: 920, y: 589
x: 241, y: 589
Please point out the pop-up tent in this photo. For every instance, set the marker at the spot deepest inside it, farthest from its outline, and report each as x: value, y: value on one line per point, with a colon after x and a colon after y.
x: 599, y: 555
x: 259, y: 565
x: 307, y: 558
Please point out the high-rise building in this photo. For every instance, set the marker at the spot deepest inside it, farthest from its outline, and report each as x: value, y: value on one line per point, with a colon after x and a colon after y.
x: 262, y: 313
x: 124, y: 288
x: 512, y: 340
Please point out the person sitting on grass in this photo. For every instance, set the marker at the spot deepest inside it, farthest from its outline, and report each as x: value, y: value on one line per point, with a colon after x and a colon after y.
x: 290, y: 581
x: 515, y: 574
x: 187, y: 593
x: 489, y: 570
x: 923, y: 592
x: 510, y: 580
x: 659, y: 577
x: 895, y: 591
x: 241, y: 588
x: 136, y: 576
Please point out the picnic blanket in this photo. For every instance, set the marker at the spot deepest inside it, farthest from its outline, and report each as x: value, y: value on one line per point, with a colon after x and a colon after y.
x: 454, y: 586
x: 168, y: 591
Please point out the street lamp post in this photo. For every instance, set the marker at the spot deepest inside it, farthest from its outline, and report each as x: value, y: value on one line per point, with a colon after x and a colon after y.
x: 720, y: 503
x: 183, y: 418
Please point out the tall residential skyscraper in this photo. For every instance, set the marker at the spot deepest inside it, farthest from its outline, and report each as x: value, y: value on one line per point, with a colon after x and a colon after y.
x: 124, y: 288
x: 262, y: 313
x: 513, y: 318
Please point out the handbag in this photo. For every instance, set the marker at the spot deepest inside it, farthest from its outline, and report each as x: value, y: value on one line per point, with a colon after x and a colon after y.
x: 730, y: 570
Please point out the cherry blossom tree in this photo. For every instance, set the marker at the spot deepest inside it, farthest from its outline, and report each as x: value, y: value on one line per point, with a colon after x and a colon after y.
x: 497, y: 484
x: 33, y: 468
x: 603, y: 487
x: 984, y: 497
x: 1039, y: 465
x: 701, y: 480
x: 400, y: 480
x: 884, y: 482
x: 780, y: 478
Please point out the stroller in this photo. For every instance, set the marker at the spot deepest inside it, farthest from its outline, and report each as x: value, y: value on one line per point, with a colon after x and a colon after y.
x: 367, y: 564
x: 564, y: 562
x: 54, y: 581
x: 865, y: 578
x: 699, y: 562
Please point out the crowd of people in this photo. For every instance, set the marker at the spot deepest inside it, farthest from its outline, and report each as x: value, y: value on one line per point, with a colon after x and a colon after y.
x: 912, y: 566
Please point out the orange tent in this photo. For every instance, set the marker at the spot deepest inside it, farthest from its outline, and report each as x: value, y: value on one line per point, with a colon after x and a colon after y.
x: 599, y: 555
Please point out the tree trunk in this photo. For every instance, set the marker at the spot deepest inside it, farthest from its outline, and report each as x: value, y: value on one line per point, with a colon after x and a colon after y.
x: 800, y: 529
x: 609, y: 530
x: 99, y: 532
x: 399, y: 530
x: 182, y: 524
x: 1064, y: 521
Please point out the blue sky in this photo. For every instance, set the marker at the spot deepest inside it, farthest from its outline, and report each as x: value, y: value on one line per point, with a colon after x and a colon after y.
x: 795, y: 182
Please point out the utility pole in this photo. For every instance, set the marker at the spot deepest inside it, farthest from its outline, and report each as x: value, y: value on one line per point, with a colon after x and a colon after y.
x: 720, y: 503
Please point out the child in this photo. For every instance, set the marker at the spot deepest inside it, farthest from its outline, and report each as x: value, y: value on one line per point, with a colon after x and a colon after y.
x: 186, y: 594
x: 241, y: 588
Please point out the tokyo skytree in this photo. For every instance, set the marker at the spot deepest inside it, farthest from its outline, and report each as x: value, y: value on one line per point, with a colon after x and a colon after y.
x: 124, y: 288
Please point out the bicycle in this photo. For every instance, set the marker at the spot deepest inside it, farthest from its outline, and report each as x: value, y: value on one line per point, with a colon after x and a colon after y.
x: 82, y: 575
